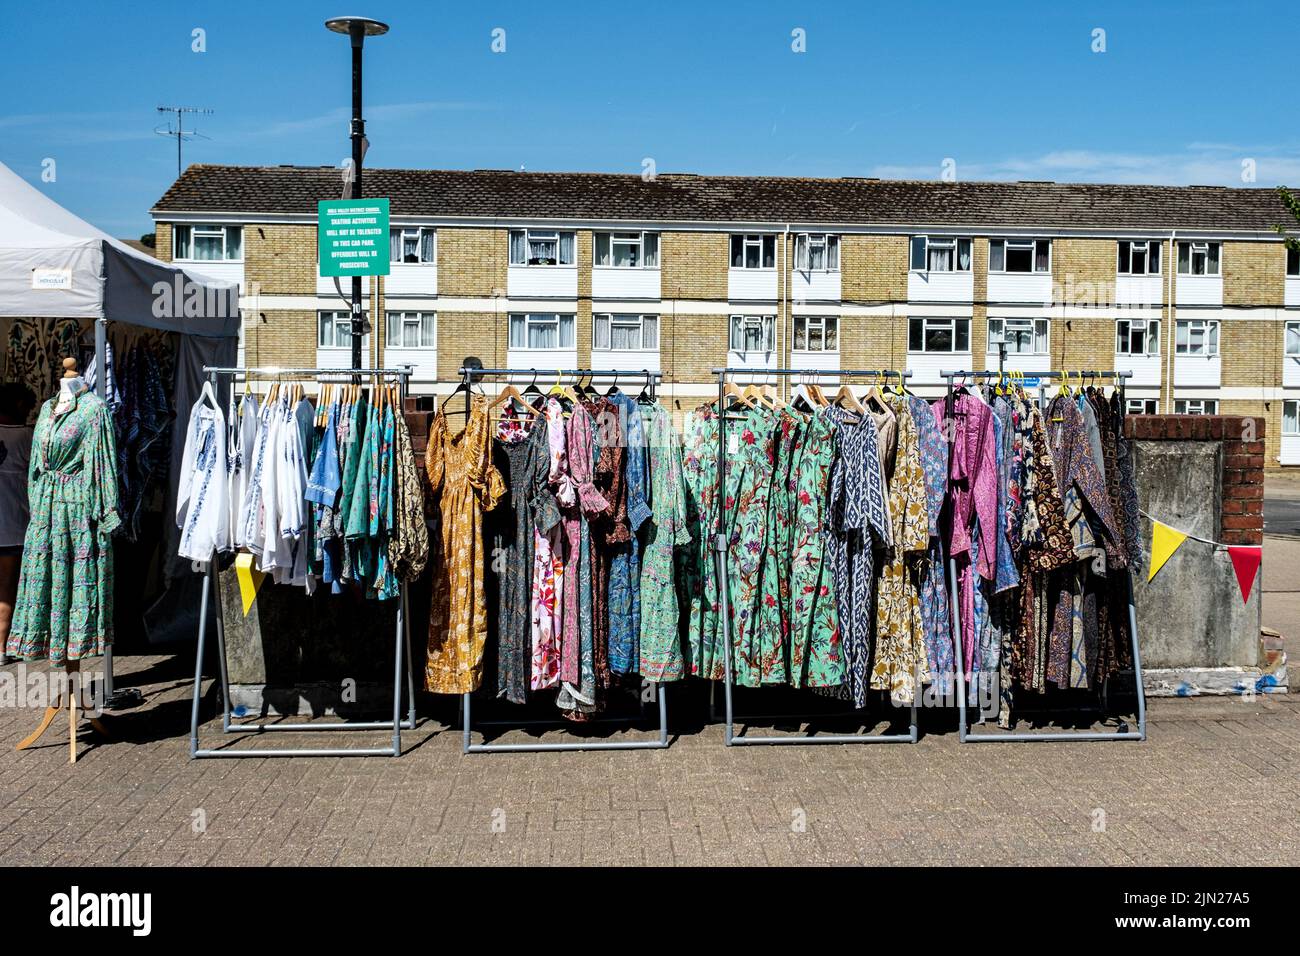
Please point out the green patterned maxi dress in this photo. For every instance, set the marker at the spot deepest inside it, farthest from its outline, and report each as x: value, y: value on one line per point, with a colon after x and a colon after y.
x: 64, y: 610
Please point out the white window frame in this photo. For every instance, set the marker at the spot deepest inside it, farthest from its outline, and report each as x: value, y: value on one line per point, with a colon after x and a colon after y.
x: 827, y: 242
x: 1295, y: 417
x: 938, y: 323
x: 419, y: 234
x: 1020, y: 243
x: 561, y: 321
x: 1211, y: 330
x: 1124, y: 329
x: 1291, y: 340
x: 747, y: 240
x: 1145, y: 406
x: 1151, y: 250
x: 625, y: 237
x: 340, y: 318
x: 920, y: 251
x: 542, y: 235
x: 1195, y: 248
x: 404, y: 319
x: 603, y: 324
x: 814, y: 323
x: 1196, y: 406
x: 1038, y: 330
x: 737, y: 325
x: 207, y: 230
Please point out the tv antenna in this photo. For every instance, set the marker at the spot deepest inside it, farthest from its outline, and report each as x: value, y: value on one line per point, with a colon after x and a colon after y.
x: 180, y: 132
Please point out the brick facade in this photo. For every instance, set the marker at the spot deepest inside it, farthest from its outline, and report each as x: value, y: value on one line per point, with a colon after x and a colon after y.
x: 1242, y: 485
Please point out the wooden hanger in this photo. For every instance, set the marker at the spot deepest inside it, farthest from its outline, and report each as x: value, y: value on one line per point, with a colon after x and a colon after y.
x: 510, y: 393
x: 845, y: 398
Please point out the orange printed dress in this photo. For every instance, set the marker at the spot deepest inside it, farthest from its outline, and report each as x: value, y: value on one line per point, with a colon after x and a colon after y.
x: 465, y: 485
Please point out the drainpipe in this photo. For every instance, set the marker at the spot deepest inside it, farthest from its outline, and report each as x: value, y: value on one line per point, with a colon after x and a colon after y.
x: 1170, y: 265
x: 780, y: 322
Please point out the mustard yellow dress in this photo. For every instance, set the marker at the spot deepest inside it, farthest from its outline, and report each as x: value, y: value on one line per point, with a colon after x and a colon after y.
x: 464, y: 484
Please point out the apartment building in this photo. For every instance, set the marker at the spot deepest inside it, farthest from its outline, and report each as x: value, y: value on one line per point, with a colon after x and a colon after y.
x: 1190, y: 288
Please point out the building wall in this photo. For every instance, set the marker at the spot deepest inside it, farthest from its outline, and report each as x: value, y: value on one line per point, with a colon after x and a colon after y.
x: 281, y: 301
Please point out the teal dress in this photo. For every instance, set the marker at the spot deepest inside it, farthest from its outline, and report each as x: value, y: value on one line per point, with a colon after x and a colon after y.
x: 64, y: 607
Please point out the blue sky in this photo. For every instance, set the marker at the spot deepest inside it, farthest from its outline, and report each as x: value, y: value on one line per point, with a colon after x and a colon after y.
x: 1183, y: 93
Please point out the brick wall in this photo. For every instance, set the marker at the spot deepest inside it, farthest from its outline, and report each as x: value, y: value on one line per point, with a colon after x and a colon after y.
x: 873, y: 268
x: 472, y: 262
x: 281, y: 337
x: 693, y: 265
x: 1083, y: 270
x: 1254, y: 273
x: 1242, y: 437
x: 281, y: 258
x: 163, y: 241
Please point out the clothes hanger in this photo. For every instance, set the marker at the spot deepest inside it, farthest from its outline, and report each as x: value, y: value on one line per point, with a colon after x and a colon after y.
x: 209, y: 393
x: 532, y: 388
x: 613, y: 389
x: 646, y: 398
x: 845, y: 397
x: 510, y: 393
x: 730, y: 391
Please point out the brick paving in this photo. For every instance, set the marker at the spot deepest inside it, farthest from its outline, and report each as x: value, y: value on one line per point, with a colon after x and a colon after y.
x: 1218, y: 782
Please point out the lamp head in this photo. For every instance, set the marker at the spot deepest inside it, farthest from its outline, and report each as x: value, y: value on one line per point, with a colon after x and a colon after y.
x: 364, y: 26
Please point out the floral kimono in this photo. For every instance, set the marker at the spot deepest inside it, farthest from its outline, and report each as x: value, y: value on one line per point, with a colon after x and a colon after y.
x: 64, y: 607
x: 935, y: 619
x: 625, y: 562
x: 581, y: 502
x: 749, y: 482
x: 698, y: 570
x: 465, y: 484
x: 773, y: 624
x: 661, y: 653
x: 548, y: 563
x: 899, y: 662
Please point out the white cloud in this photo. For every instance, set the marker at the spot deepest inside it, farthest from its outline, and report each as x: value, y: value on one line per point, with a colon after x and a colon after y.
x: 1205, y: 164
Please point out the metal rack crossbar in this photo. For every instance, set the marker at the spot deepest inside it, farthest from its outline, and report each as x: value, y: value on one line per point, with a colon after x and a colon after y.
x: 469, y: 375
x: 964, y: 733
x: 211, y: 586
x: 720, y: 552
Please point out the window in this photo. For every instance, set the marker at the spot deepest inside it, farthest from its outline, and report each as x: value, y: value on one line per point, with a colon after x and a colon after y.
x: 626, y: 250
x: 1293, y: 262
x: 1197, y: 337
x: 334, y: 330
x: 940, y: 254
x: 541, y: 330
x: 1137, y: 337
x: 1142, y: 406
x: 210, y: 243
x: 1023, y: 336
x: 1291, y: 417
x: 1139, y: 258
x: 938, y: 335
x: 815, y: 252
x: 415, y: 244
x: 540, y: 247
x: 412, y: 330
x: 1020, y: 255
x: 627, y: 332
x: 1198, y: 258
x: 1196, y: 406
x: 816, y: 333
x: 1292, y: 345
x: 753, y: 252
x: 753, y: 333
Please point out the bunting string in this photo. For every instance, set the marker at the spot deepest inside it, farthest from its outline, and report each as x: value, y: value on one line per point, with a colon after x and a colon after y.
x: 1166, y: 539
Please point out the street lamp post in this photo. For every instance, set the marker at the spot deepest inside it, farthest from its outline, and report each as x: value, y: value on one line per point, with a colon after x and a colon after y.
x: 356, y: 29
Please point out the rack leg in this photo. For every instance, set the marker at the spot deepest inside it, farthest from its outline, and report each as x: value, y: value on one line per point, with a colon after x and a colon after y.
x: 958, y: 655
x: 198, y: 662
x: 661, y: 690
x: 398, y: 644
x: 465, y: 714
x: 220, y: 621
x: 1137, y: 663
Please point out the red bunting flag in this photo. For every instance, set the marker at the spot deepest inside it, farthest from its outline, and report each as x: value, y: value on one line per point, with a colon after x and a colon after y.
x: 1245, y: 562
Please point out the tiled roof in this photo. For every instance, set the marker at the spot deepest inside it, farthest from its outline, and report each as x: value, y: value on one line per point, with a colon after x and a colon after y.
x: 502, y: 194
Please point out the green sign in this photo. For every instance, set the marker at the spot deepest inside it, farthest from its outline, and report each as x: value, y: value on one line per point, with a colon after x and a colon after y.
x: 352, y: 237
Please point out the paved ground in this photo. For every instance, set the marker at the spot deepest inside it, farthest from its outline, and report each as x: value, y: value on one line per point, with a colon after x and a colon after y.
x: 1282, y: 503
x: 1217, y: 782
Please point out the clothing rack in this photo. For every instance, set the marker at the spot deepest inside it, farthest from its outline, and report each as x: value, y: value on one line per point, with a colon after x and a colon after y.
x: 468, y: 377
x: 731, y: 738
x: 211, y: 584
x: 964, y: 733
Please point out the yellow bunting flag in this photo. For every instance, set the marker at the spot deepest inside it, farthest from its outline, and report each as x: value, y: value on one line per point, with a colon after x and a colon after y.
x: 250, y: 579
x: 1164, y: 542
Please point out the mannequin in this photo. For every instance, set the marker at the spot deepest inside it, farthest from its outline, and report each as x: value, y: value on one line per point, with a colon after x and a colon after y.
x: 70, y: 386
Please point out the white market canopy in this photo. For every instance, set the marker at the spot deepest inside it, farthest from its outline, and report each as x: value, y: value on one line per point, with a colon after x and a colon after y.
x: 54, y: 264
